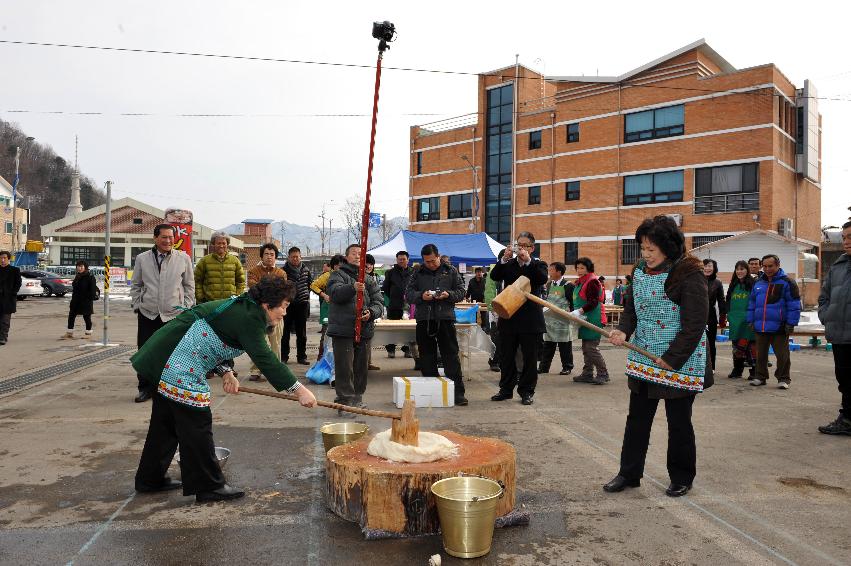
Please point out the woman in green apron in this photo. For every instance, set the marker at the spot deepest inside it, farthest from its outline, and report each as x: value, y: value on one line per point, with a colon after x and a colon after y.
x: 560, y: 333
x: 741, y: 334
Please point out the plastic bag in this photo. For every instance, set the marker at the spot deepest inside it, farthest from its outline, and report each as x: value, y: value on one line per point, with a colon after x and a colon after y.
x: 466, y: 315
x: 323, y: 370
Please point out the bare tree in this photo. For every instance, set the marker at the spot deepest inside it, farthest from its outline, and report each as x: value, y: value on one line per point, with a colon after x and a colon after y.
x: 352, y: 213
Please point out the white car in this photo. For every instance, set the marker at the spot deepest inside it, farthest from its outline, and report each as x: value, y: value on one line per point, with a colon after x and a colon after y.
x: 29, y: 287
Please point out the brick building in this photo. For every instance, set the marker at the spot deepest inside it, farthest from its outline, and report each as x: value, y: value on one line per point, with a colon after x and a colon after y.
x: 6, y: 217
x: 581, y: 161
x: 256, y: 232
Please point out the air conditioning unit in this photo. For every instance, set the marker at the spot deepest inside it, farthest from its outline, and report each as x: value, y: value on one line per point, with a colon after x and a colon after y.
x: 678, y: 218
x: 785, y: 227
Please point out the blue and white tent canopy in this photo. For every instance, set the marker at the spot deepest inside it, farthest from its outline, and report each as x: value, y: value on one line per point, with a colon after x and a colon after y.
x: 472, y: 249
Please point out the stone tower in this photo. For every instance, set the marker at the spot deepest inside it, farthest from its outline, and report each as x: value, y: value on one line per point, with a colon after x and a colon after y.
x: 75, y: 207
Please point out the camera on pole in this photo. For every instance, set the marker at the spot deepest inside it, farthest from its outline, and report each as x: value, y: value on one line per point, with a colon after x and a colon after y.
x: 385, y: 32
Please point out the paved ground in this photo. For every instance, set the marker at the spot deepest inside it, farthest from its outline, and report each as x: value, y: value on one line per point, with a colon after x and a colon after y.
x: 770, y: 488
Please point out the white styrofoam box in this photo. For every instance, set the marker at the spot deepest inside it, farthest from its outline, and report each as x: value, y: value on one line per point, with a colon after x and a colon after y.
x: 425, y: 391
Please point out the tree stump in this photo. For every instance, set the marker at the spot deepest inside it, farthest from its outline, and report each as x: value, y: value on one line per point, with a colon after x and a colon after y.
x: 394, y: 498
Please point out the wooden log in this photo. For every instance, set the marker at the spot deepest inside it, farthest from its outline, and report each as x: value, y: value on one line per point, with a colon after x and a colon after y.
x: 394, y: 499
x: 407, y: 429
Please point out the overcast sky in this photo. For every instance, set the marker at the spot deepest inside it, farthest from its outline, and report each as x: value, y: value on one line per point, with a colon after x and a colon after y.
x: 287, y: 165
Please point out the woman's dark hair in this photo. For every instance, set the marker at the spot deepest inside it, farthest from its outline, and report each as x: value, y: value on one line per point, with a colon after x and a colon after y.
x: 272, y: 291
x: 269, y: 246
x: 589, y: 265
x: 336, y: 260
x: 714, y: 268
x: 629, y: 279
x: 84, y: 263
x: 370, y: 259
x: 662, y: 232
x: 748, y: 282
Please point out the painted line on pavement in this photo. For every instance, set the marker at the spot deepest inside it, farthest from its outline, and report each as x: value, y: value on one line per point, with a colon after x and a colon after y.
x: 101, y: 529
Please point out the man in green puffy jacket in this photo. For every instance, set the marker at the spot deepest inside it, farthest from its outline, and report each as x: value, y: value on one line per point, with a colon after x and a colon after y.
x: 218, y: 275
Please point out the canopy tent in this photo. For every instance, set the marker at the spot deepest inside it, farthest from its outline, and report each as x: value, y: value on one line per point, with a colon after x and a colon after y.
x: 472, y: 249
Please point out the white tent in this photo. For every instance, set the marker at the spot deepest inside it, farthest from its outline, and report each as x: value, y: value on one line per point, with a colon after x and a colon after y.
x: 472, y: 249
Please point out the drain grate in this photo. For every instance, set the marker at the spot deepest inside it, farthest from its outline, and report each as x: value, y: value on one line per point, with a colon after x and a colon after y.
x: 80, y: 362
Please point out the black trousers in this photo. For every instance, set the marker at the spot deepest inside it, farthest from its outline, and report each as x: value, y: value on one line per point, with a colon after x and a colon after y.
x: 440, y: 334
x: 296, y: 321
x: 527, y: 379
x: 5, y: 324
x: 174, y: 424
x: 682, y: 452
x: 565, y: 352
x: 72, y: 317
x: 395, y: 314
x: 711, y: 334
x: 144, y: 330
x: 842, y: 366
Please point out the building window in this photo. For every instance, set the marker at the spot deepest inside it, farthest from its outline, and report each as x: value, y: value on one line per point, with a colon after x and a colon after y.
x: 5, y: 201
x: 630, y: 251
x: 137, y: 221
x: 698, y: 241
x: 652, y: 124
x: 653, y: 187
x: 572, y: 133
x: 419, y: 163
x: 535, y: 139
x: 732, y: 188
x: 571, y: 190
x: 460, y: 206
x: 534, y: 195
x: 8, y: 229
x: 499, y: 163
x: 571, y: 253
x: 428, y: 209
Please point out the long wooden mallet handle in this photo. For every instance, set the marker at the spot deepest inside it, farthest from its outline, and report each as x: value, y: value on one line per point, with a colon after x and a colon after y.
x: 347, y: 408
x: 585, y: 324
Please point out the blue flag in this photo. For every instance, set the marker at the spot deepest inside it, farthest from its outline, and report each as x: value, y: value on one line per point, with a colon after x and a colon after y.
x: 374, y: 220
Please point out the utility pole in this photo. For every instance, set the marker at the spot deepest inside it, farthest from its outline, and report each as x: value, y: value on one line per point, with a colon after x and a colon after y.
x: 323, y: 235
x: 106, y: 262
x: 15, y: 200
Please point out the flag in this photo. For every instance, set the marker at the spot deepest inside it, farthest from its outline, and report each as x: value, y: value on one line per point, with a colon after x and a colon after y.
x: 374, y: 220
x: 17, y: 178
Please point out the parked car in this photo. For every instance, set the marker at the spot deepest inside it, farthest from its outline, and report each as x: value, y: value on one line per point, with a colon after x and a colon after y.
x: 29, y: 287
x: 52, y: 283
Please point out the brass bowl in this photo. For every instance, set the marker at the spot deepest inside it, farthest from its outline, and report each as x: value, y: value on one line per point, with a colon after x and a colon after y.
x: 337, y: 434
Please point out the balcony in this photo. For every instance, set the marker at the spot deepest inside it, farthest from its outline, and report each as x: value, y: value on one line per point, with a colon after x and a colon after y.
x: 731, y: 202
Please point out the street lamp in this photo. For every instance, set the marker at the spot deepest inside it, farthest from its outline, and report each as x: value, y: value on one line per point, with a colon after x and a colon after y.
x: 15, y: 195
x: 475, y: 192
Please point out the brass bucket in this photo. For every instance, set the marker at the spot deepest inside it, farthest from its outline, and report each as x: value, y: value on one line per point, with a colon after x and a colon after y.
x: 337, y: 434
x: 466, y: 506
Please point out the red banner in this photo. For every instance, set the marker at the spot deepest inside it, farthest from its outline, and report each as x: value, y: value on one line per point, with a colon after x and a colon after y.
x: 181, y: 219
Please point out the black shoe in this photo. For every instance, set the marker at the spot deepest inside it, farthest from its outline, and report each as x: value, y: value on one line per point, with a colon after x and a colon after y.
x: 2, y: 341
x: 143, y: 396
x: 619, y: 483
x: 502, y: 396
x: 303, y: 362
x: 224, y: 493
x: 167, y: 485
x: 841, y: 425
x: 495, y: 368
x: 565, y: 372
x: 461, y: 401
x: 677, y: 490
x: 542, y: 369
x: 373, y: 367
x: 391, y: 354
x: 735, y: 375
x: 526, y: 399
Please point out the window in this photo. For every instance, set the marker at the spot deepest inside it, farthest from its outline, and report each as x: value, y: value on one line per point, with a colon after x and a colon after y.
x: 571, y: 253
x: 8, y: 229
x: 499, y: 163
x: 428, y: 209
x: 630, y: 251
x: 698, y: 241
x: 460, y: 206
x: 534, y: 195
x: 653, y: 187
x: 137, y: 221
x: 419, y: 163
x: 572, y: 133
x: 5, y: 201
x: 535, y: 139
x: 732, y: 188
x: 571, y: 190
x: 652, y: 124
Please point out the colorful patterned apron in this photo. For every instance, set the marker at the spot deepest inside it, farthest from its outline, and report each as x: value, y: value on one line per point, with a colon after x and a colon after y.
x: 658, y: 323
x: 184, y: 378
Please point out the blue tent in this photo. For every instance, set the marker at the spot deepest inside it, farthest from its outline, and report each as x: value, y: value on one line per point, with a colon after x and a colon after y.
x: 472, y: 249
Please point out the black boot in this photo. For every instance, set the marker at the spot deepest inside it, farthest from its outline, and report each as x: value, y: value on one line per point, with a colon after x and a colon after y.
x: 738, y: 368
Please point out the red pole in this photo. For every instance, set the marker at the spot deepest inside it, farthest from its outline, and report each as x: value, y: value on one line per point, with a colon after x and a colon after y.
x: 364, y: 236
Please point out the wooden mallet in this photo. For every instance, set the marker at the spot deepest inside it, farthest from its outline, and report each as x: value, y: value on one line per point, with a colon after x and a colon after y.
x: 405, y: 428
x: 515, y: 295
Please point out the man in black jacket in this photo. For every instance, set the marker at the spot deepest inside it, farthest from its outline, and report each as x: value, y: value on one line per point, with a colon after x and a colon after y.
x: 395, y: 283
x: 10, y: 283
x: 525, y: 328
x: 299, y: 309
x: 435, y: 288
x: 476, y: 287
